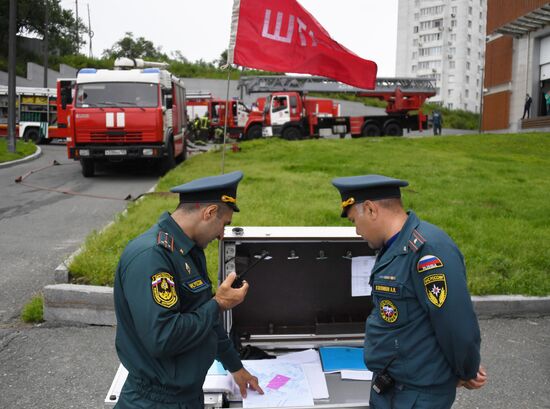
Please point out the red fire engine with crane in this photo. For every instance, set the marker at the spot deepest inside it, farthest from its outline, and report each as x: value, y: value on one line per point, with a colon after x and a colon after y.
x: 136, y: 111
x: 290, y: 113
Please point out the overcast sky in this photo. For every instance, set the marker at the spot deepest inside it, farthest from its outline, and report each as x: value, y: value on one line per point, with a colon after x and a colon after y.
x: 200, y: 28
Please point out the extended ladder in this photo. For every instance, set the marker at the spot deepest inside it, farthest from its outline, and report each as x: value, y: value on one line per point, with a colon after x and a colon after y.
x: 278, y: 83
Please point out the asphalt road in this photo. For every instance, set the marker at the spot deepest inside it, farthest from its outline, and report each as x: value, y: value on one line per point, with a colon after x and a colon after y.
x: 40, y: 228
x: 55, y: 366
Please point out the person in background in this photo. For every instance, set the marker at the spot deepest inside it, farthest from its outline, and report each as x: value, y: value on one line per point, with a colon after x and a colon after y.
x: 527, y: 106
x: 437, y: 121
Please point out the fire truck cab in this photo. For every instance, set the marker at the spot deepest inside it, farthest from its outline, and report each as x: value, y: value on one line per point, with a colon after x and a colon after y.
x: 128, y: 113
x: 292, y: 115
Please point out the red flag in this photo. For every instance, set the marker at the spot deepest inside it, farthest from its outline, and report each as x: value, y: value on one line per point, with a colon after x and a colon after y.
x: 280, y: 35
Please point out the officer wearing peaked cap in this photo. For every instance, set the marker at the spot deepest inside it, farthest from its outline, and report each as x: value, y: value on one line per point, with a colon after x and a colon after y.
x: 422, y: 337
x: 169, y: 331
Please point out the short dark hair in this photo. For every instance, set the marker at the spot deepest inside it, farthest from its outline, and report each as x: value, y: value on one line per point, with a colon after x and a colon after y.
x: 391, y: 204
x: 193, y: 207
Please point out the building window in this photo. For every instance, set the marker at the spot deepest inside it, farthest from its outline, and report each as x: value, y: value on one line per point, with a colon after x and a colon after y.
x: 450, y: 92
x: 467, y: 79
x: 469, y: 23
x: 467, y: 93
x: 415, y: 29
x: 467, y: 65
x: 468, y: 51
x: 450, y: 105
x: 452, y: 64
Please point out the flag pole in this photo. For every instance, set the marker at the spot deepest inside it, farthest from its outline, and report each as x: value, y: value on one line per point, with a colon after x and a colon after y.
x: 226, y: 112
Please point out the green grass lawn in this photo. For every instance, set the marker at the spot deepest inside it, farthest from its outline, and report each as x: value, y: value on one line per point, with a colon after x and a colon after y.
x: 489, y: 192
x: 22, y: 149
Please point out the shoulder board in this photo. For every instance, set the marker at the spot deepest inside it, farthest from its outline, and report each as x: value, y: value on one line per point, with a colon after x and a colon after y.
x: 165, y: 240
x: 416, y: 241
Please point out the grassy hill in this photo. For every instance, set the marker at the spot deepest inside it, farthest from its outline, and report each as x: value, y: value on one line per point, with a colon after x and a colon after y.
x: 489, y: 192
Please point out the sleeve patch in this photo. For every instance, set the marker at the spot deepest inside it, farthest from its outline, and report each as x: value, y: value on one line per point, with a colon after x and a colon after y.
x: 164, y: 290
x: 436, y: 289
x: 428, y: 262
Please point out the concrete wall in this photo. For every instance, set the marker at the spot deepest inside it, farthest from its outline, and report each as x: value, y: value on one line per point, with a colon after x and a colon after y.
x: 35, y: 76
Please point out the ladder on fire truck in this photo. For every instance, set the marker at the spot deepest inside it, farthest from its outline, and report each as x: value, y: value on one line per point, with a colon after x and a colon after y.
x: 277, y: 83
x: 401, y: 94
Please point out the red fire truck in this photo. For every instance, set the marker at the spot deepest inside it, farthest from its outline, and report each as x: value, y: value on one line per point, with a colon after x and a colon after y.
x: 290, y: 113
x: 201, y: 103
x: 136, y: 111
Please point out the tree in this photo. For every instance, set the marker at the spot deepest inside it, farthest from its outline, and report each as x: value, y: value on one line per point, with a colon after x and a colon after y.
x: 131, y: 47
x: 31, y: 20
x: 223, y: 59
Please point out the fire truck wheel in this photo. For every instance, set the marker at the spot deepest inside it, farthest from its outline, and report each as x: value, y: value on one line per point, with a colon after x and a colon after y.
x: 183, y: 155
x: 32, y: 134
x: 393, y: 129
x: 254, y: 132
x: 169, y: 161
x: 292, y: 133
x: 88, y: 167
x: 371, y: 129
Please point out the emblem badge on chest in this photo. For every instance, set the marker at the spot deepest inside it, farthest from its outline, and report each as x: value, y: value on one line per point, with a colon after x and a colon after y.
x: 188, y: 268
x: 388, y: 311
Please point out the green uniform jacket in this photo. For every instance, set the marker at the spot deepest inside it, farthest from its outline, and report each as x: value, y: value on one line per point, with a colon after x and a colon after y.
x: 423, y: 314
x: 168, y: 330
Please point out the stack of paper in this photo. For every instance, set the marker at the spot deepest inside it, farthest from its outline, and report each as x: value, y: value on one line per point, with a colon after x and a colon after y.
x: 311, y: 364
x: 284, y: 384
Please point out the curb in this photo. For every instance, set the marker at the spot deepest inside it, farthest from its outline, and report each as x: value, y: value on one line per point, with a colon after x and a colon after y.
x: 94, y: 305
x: 34, y: 156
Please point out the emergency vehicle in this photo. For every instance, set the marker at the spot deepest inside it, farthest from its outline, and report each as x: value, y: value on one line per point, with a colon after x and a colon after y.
x: 136, y: 111
x: 35, y: 115
x: 201, y: 103
x: 290, y: 113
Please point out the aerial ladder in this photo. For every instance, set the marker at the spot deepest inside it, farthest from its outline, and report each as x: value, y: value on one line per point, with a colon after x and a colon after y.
x: 404, y: 98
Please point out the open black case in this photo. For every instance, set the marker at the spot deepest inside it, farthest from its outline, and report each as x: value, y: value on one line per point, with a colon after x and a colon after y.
x: 300, y: 295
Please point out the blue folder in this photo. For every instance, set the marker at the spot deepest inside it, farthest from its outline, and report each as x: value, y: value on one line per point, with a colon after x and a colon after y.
x: 335, y: 359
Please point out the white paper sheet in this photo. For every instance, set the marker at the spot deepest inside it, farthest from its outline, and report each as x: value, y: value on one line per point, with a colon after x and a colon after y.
x: 294, y: 392
x: 356, y: 375
x: 316, y: 379
x: 308, y: 356
x: 311, y: 364
x: 361, y: 268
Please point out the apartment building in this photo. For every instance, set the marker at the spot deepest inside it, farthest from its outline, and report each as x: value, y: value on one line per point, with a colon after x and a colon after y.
x: 444, y: 40
x: 517, y: 64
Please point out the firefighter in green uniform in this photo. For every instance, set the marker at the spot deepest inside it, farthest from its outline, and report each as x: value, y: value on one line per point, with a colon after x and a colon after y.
x: 169, y: 329
x: 422, y: 337
x: 204, y: 124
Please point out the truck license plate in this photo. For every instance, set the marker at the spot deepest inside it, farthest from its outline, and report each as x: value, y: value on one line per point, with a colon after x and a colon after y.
x: 115, y: 152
